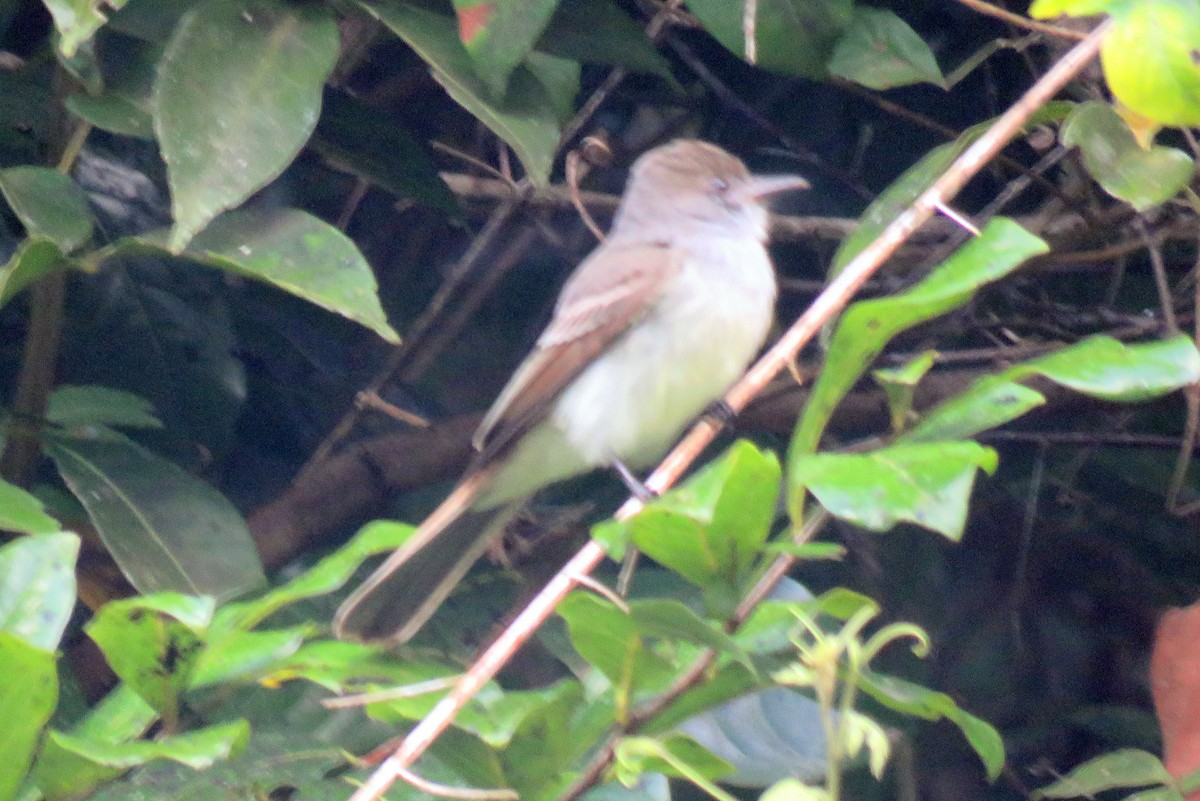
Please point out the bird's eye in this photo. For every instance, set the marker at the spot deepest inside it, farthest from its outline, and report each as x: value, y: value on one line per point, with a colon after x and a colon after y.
x: 720, y: 185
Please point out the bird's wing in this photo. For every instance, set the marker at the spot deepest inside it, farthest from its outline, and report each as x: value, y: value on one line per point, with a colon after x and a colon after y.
x: 609, y: 292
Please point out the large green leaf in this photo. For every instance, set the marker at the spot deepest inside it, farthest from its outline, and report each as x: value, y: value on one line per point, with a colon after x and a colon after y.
x: 928, y: 484
x: 600, y: 32
x: 793, y: 36
x: 1121, y: 769
x: 869, y: 325
x: 1142, y: 177
x: 525, y: 118
x: 1149, y: 59
x: 66, y: 758
x: 153, y: 644
x: 1100, y: 367
x: 237, y: 95
x: 28, y: 696
x: 880, y: 51
x: 37, y: 574
x: 23, y: 513
x: 166, y: 529
x: 499, y: 35
x: 289, y: 249
x: 80, y: 406
x: 48, y: 204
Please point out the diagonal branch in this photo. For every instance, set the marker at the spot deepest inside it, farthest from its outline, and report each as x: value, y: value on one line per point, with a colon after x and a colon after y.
x: 823, y: 309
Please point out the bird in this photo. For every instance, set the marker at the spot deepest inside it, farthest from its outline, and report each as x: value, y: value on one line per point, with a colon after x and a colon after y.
x: 649, y: 330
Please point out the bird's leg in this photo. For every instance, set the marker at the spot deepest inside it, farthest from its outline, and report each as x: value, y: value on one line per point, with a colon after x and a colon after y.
x: 632, y: 482
x: 719, y: 413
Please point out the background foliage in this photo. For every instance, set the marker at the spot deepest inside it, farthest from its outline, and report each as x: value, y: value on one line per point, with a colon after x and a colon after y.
x: 265, y: 261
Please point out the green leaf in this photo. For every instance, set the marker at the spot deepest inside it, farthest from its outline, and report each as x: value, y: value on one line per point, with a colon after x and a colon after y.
x: 600, y: 32
x: 711, y: 529
x: 1047, y: 9
x: 1100, y: 367
x: 125, y: 105
x: 28, y: 696
x: 24, y: 514
x: 670, y: 619
x: 867, y: 327
x: 245, y: 655
x: 674, y: 755
x: 525, y: 119
x: 64, y: 756
x: 1121, y: 769
x: 237, y: 94
x: 38, y: 576
x: 913, y: 699
x: 793, y: 790
x: 559, y: 80
x: 166, y: 529
x: 288, y: 249
x: 34, y: 258
x: 610, y: 641
x: 1149, y: 59
x: 905, y: 189
x: 342, y: 666
x: 499, y: 34
x: 77, y: 21
x: 900, y: 384
x: 880, y: 51
x: 1143, y: 178
x: 795, y: 37
x: 327, y: 575
x: 48, y: 204
x: 377, y: 147
x: 927, y: 484
x: 153, y: 644
x: 76, y: 407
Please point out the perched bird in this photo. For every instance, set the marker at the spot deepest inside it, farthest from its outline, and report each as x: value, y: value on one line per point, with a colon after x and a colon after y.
x: 652, y: 327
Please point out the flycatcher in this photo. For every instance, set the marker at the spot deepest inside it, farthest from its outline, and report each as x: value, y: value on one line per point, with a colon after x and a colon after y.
x: 652, y: 327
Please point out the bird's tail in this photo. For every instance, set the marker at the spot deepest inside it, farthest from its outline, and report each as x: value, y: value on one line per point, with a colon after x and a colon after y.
x: 404, y: 592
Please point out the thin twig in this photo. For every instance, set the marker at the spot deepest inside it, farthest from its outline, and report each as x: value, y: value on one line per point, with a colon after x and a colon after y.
x: 823, y: 308
x: 1022, y: 22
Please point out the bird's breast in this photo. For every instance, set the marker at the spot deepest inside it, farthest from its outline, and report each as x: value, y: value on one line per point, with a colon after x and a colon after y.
x: 634, y: 401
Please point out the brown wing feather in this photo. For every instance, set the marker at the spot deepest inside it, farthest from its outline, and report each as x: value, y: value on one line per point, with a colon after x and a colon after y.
x: 610, y: 291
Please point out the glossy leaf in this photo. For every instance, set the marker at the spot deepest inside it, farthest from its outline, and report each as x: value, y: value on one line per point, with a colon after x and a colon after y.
x: 246, y: 655
x: 926, y: 484
x: 37, y: 574
x: 1121, y: 769
x: 166, y: 529
x: 78, y: 20
x: 1143, y: 178
x: 80, y: 406
x: 867, y: 326
x: 499, y: 34
x: 22, y: 513
x: 765, y: 736
x: 880, y: 51
x: 1099, y: 367
x: 237, y: 94
x: 610, y: 641
x: 525, y: 119
x: 153, y: 644
x: 327, y: 575
x: 795, y: 37
x: 28, y: 696
x: 64, y: 756
x: 34, y: 259
x: 1149, y: 59
x: 48, y: 204
x: 377, y: 147
x: 291, y: 250
x: 711, y: 529
x: 913, y: 699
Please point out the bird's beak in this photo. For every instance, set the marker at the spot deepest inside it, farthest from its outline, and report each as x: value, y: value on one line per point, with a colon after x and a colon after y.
x: 761, y: 186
